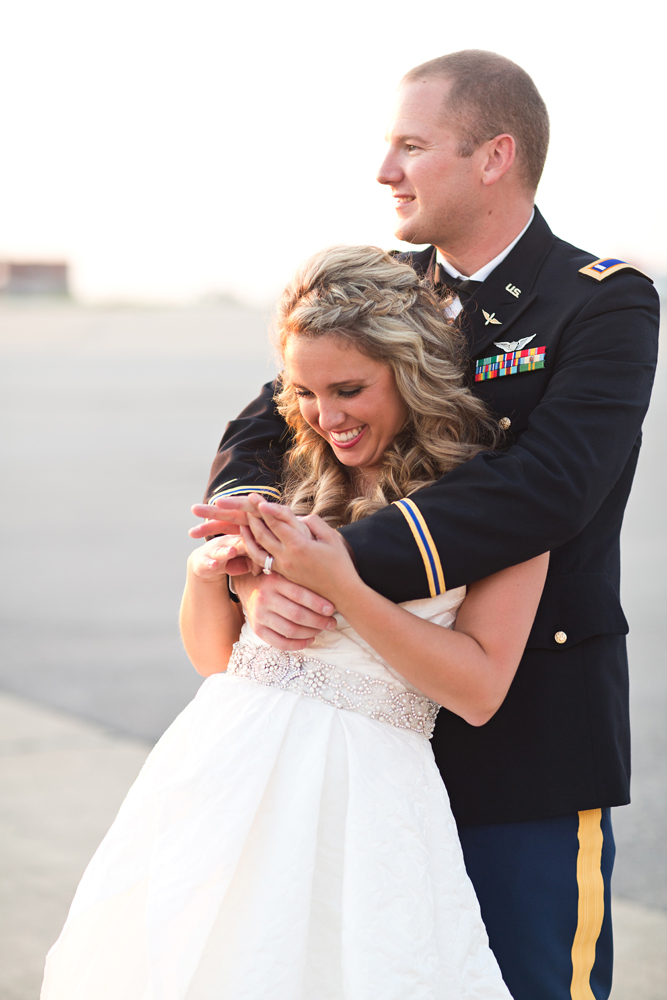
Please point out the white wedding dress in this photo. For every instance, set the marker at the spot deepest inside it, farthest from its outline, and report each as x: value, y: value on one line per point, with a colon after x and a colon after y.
x: 289, y: 838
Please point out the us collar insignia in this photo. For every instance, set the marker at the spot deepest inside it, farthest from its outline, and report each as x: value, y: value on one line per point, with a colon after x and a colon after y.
x: 512, y: 363
x: 606, y: 266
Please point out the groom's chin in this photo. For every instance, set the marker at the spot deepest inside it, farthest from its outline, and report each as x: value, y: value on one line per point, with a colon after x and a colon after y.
x: 407, y: 231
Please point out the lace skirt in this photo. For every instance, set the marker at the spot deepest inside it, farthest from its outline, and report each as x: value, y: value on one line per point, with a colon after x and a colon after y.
x: 275, y: 847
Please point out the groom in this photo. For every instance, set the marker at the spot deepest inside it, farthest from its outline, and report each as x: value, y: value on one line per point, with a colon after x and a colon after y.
x: 562, y: 348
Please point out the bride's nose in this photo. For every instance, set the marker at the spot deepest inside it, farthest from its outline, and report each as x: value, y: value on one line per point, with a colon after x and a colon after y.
x: 331, y: 416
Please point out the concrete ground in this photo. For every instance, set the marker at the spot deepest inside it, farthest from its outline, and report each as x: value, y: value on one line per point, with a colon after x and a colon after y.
x: 61, y: 782
x: 110, y: 419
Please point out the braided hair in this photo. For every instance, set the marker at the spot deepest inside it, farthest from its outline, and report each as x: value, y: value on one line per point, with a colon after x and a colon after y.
x: 368, y: 299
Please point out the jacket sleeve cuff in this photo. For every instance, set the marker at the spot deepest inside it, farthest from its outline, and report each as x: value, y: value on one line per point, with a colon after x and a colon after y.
x: 425, y: 544
x: 227, y: 490
x: 388, y: 557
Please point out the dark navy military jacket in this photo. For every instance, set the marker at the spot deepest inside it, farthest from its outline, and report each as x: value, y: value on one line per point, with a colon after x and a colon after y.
x: 575, y: 395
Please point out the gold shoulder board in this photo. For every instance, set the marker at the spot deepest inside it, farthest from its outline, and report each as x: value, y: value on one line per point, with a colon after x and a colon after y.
x: 606, y: 266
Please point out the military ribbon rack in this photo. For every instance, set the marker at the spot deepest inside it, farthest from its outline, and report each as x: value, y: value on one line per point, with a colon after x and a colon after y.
x: 512, y: 363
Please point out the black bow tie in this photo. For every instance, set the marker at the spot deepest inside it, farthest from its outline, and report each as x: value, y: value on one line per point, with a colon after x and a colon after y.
x: 463, y: 287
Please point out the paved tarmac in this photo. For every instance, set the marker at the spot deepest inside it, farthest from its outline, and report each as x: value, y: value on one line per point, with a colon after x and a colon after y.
x: 61, y: 782
x: 110, y: 419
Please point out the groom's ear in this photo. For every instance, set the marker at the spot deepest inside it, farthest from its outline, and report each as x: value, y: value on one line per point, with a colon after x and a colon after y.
x: 497, y: 156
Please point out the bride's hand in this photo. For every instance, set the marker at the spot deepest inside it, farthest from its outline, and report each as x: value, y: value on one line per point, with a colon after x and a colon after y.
x: 256, y: 553
x: 222, y: 517
x: 218, y: 557
x: 305, y: 550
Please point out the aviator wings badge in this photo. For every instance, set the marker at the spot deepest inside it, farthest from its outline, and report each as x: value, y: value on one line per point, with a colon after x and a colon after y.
x: 490, y: 318
x: 513, y: 345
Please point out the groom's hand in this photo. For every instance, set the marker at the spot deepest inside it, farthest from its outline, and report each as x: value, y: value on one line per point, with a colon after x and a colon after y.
x: 222, y: 517
x: 282, y: 613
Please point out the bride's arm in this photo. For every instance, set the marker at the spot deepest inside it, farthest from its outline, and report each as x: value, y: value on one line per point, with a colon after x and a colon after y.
x: 210, y: 622
x: 467, y: 669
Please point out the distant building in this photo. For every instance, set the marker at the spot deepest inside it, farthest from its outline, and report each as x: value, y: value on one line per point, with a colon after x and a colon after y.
x: 34, y: 278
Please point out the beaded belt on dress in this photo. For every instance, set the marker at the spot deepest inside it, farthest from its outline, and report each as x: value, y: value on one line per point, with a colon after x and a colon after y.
x: 371, y: 696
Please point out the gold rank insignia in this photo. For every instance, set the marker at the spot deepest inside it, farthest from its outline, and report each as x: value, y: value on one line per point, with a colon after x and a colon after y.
x: 606, y: 266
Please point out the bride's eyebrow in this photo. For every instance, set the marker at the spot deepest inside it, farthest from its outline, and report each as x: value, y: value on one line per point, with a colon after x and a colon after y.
x: 360, y: 382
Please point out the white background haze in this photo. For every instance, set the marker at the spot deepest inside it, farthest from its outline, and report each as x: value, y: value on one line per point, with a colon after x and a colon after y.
x: 170, y: 150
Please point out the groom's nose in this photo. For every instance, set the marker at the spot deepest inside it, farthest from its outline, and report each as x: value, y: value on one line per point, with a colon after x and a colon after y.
x: 390, y: 171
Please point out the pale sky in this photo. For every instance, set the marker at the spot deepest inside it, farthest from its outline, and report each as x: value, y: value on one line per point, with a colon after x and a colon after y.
x: 174, y: 150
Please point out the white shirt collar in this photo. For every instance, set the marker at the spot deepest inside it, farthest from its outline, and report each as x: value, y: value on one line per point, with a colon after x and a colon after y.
x: 485, y: 271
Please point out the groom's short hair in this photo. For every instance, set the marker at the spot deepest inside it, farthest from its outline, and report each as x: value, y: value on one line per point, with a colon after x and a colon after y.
x: 491, y: 95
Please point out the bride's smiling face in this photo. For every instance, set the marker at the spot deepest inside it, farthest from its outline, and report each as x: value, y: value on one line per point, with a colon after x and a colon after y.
x: 351, y: 400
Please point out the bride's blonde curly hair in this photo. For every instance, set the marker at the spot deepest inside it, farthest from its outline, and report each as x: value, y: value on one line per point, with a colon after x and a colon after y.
x: 368, y: 299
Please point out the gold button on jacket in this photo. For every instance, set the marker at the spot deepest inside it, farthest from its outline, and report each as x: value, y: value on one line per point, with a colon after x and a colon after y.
x: 560, y: 637
x: 505, y: 423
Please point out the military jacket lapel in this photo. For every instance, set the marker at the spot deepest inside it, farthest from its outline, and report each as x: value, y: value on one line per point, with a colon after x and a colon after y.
x: 507, y: 292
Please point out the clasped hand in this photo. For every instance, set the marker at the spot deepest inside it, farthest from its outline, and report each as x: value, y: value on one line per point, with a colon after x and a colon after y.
x: 311, y: 566
x: 305, y: 550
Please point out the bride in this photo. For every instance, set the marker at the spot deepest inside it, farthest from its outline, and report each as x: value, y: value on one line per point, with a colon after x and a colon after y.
x: 289, y: 837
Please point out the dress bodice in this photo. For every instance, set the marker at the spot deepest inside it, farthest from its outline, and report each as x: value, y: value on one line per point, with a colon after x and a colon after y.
x: 341, y: 669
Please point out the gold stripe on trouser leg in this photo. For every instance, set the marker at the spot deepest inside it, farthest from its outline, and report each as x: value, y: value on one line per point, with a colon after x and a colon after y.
x: 591, y: 903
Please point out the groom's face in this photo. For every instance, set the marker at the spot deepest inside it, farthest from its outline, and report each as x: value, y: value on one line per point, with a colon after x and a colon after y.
x: 437, y: 192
